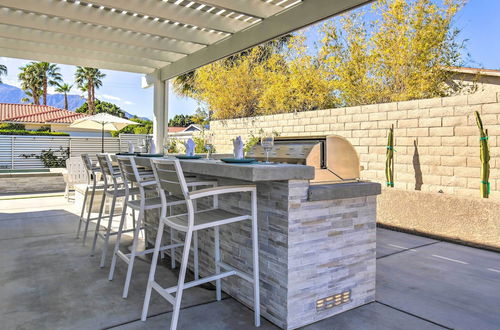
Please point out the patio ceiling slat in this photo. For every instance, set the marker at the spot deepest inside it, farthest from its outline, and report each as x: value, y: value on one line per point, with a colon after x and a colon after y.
x: 51, y: 38
x: 35, y: 21
x: 39, y: 56
x: 255, y: 8
x: 173, y: 12
x: 79, y: 53
x: 113, y: 19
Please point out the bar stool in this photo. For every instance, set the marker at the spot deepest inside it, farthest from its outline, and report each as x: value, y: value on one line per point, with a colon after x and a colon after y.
x: 170, y: 179
x: 132, y: 177
x: 113, y: 188
x: 92, y: 175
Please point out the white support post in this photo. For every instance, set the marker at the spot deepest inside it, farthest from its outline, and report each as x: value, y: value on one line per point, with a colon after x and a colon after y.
x: 160, y: 111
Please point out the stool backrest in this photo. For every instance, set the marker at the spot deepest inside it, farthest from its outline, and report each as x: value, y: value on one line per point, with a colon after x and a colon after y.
x: 129, y: 169
x: 76, y: 171
x: 106, y: 166
x: 87, y: 162
x: 170, y: 177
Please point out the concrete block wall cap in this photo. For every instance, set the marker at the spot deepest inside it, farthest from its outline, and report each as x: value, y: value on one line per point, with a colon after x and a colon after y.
x: 492, y: 199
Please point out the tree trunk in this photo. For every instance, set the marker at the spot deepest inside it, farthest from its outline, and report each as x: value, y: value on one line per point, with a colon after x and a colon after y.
x: 89, y: 98
x: 44, y: 91
x: 65, y: 101
x: 36, y: 97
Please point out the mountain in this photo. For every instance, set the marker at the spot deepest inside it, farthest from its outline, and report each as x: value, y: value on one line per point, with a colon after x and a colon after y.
x: 13, y: 94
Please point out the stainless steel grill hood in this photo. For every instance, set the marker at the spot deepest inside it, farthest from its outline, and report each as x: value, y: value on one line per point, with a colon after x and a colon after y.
x: 333, y: 157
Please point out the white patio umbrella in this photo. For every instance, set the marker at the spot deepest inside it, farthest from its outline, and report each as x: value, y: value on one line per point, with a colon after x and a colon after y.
x: 104, y: 122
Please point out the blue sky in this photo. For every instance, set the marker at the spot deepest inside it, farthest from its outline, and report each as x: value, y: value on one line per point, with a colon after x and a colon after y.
x: 478, y: 21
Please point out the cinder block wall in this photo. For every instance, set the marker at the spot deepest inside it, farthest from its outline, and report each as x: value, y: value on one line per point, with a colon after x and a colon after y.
x: 437, y: 141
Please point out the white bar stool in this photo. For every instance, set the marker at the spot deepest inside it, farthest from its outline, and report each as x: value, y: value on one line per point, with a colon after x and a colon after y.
x: 132, y: 177
x: 170, y: 178
x: 113, y: 188
x: 92, y: 175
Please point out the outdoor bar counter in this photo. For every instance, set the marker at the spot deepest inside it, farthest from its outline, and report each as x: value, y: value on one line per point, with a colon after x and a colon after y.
x: 317, y: 242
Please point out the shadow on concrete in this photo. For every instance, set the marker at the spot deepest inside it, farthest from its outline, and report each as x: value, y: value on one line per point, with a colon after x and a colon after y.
x: 416, y: 167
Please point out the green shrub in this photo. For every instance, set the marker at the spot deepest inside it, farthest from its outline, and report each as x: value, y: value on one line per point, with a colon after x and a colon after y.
x: 11, y: 126
x: 24, y: 132
x: 51, y: 158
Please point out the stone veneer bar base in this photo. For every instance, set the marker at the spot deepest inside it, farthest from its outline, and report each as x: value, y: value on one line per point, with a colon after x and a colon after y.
x: 309, y: 250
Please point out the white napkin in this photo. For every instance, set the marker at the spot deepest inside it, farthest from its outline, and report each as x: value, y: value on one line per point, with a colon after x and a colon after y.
x: 130, y: 147
x: 189, y: 147
x: 152, y: 147
x: 238, y: 148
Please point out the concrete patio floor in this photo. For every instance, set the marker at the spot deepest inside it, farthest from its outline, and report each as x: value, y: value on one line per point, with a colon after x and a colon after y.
x: 49, y: 281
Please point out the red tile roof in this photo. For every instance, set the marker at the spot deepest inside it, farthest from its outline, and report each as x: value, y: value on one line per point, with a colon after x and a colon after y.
x: 175, y: 129
x: 29, y: 113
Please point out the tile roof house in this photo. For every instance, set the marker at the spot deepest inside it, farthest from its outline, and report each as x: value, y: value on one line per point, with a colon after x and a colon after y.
x: 34, y: 117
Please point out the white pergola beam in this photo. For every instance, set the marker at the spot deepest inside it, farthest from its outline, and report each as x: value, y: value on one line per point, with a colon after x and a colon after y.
x: 80, y: 13
x: 39, y: 56
x: 35, y: 35
x: 306, y: 13
x: 58, y: 25
x: 79, y: 53
x: 82, y: 45
x: 177, y: 13
x: 255, y: 8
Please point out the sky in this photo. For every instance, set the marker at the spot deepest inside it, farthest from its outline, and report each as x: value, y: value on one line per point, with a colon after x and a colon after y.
x: 478, y: 22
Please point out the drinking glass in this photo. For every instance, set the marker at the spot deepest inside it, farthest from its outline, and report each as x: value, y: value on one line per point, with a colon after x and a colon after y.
x: 267, y: 142
x: 166, y: 145
x: 209, y: 145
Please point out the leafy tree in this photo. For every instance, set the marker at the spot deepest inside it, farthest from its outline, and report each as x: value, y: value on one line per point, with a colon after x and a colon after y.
x: 185, y: 84
x: 102, y: 106
x: 394, y: 51
x: 181, y: 121
x: 3, y: 72
x: 65, y: 89
x: 35, y: 78
x: 396, y: 54
x: 145, y: 127
x: 201, y: 116
x: 294, y: 81
x: 88, y: 80
x: 31, y: 83
x: 49, y: 76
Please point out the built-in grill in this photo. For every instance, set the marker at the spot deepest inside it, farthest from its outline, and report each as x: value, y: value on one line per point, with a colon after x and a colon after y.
x: 333, y: 157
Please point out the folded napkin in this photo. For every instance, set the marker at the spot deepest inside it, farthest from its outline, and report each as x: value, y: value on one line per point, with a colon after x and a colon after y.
x: 152, y: 147
x: 189, y: 147
x: 238, y: 148
x: 130, y: 147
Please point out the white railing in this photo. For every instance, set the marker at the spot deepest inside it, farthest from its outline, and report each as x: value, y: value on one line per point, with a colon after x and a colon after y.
x: 13, y: 147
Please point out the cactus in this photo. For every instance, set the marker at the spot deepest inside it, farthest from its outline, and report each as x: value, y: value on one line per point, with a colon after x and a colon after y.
x: 389, y: 163
x: 485, y: 157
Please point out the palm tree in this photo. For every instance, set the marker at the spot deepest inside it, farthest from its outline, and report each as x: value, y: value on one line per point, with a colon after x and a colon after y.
x: 31, y: 82
x: 49, y: 75
x: 88, y: 79
x: 65, y: 89
x: 3, y: 72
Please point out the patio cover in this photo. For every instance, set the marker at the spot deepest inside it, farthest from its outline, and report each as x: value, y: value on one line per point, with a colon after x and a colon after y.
x: 159, y: 38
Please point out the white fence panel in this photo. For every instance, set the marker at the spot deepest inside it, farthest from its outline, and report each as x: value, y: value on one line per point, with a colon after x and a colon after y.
x: 12, y: 148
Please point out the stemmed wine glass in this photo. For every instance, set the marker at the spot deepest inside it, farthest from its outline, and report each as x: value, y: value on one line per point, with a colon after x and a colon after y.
x: 166, y: 145
x: 209, y: 145
x: 267, y: 142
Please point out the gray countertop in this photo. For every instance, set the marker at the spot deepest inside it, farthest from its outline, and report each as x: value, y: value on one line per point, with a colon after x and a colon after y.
x: 245, y: 172
x: 331, y: 191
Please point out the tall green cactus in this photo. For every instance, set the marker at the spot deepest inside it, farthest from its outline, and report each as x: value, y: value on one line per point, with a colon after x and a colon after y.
x: 389, y: 163
x: 485, y: 157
